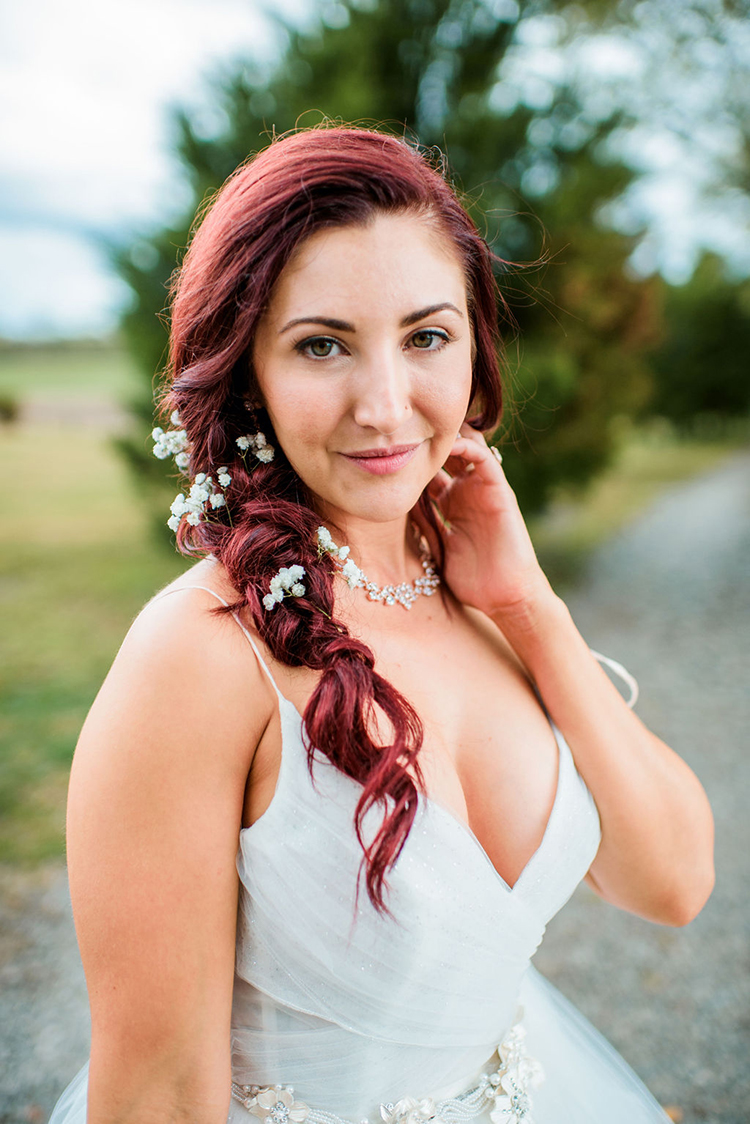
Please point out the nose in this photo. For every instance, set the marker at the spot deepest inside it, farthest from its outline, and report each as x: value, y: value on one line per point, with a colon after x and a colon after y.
x: 382, y: 394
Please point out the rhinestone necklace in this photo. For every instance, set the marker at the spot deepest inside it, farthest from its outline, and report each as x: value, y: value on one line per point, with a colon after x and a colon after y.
x: 405, y: 594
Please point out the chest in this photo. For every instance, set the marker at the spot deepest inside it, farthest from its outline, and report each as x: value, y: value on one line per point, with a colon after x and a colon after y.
x: 489, y: 755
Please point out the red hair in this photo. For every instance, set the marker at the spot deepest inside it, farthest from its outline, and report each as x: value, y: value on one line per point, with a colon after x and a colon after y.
x: 301, y: 183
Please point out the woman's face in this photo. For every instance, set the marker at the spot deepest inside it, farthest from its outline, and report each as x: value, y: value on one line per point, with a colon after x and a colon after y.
x: 364, y: 363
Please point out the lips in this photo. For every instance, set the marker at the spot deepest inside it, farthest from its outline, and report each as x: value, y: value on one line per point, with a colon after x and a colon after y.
x: 379, y: 462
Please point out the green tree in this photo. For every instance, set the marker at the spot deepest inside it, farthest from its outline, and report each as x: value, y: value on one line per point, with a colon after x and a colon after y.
x: 433, y: 67
x: 702, y: 366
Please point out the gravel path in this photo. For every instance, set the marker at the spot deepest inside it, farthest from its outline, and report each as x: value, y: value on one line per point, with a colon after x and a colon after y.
x: 669, y: 597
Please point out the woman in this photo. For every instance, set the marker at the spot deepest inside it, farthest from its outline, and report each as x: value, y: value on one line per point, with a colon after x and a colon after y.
x: 415, y: 793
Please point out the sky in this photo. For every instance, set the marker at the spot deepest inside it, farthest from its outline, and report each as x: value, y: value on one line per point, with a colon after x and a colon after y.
x: 86, y: 87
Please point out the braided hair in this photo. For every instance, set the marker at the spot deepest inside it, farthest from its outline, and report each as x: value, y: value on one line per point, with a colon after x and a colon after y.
x: 302, y: 183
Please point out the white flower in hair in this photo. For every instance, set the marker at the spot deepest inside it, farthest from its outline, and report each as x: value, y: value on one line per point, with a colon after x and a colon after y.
x: 325, y: 542
x: 326, y: 545
x: 352, y: 573
x: 204, y: 497
x: 285, y: 583
x: 258, y: 444
x: 171, y: 443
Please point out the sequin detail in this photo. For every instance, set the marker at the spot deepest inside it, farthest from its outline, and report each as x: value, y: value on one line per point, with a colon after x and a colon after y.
x: 504, y: 1092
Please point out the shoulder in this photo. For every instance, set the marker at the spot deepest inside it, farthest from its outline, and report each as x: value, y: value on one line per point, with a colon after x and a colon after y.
x: 188, y: 673
x: 183, y: 626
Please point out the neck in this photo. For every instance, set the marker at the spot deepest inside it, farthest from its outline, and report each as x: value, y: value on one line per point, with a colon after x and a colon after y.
x: 386, y: 552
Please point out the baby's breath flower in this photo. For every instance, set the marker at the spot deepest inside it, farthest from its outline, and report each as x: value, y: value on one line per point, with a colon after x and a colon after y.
x: 182, y: 460
x: 200, y: 501
x: 168, y: 444
x: 224, y: 478
x: 285, y: 583
x: 174, y: 417
x: 352, y: 573
x: 326, y: 545
x: 325, y: 542
x: 258, y: 444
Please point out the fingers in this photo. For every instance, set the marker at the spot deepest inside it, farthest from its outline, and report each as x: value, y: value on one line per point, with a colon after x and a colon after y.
x: 470, y: 452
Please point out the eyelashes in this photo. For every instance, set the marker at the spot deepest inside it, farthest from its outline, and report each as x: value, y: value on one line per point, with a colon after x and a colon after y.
x: 328, y: 347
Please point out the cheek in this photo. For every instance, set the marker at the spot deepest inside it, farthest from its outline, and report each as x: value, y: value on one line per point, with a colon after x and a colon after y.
x: 303, y: 419
x: 447, y: 396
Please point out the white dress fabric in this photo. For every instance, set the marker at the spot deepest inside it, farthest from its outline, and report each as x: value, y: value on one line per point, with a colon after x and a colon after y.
x: 341, y: 1014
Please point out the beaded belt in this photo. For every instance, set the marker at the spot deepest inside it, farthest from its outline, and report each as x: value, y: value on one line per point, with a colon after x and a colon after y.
x: 504, y: 1092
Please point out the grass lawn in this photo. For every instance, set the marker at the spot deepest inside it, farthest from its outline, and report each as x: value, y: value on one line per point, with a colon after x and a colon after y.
x: 78, y: 564
x: 98, y: 370
x: 76, y: 567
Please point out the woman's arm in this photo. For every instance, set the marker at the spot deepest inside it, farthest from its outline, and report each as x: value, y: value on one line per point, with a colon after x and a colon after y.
x: 656, y: 854
x: 155, y: 808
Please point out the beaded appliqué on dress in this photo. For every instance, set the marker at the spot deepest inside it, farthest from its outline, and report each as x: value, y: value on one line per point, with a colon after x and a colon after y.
x: 504, y: 1092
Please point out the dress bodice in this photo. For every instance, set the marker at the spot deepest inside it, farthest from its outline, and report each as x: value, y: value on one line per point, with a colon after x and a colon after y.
x: 355, y: 1008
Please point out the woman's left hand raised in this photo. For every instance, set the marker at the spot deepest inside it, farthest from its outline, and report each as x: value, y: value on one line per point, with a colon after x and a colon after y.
x: 489, y: 557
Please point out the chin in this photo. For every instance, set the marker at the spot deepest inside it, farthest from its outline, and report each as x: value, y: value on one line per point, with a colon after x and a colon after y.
x: 381, y: 504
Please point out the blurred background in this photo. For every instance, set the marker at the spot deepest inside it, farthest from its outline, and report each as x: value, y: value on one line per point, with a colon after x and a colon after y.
x: 604, y: 150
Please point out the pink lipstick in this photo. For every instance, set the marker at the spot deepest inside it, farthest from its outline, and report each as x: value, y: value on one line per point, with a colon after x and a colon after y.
x: 382, y: 461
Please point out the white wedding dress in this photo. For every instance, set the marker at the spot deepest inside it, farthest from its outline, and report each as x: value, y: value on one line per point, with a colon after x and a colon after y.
x: 435, y: 1013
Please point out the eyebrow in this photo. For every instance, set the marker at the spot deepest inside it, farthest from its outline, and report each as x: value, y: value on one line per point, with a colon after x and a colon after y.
x: 345, y: 326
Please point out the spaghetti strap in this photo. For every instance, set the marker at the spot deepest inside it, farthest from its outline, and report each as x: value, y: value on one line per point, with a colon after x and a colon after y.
x: 623, y: 673
x: 248, y: 636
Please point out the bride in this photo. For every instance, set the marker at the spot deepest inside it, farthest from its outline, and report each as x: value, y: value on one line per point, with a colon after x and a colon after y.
x: 346, y: 768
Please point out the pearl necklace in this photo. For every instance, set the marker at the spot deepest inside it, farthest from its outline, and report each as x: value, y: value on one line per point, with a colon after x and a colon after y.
x: 405, y: 594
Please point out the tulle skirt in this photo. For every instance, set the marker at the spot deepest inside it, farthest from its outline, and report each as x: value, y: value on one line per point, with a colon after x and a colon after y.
x: 585, y: 1079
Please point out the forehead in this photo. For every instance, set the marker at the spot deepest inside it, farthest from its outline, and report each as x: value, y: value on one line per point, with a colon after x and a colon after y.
x: 402, y: 261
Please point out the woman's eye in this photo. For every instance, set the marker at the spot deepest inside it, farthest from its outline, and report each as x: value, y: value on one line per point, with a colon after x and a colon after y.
x: 429, y: 339
x: 318, y: 347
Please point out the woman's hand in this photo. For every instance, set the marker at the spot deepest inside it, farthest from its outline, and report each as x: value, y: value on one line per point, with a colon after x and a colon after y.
x: 489, y: 557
